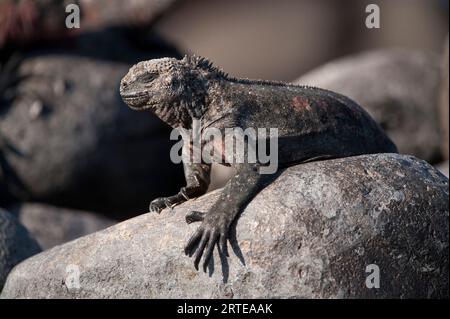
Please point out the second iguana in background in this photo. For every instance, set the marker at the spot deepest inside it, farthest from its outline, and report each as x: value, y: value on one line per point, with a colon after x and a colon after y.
x: 312, y: 123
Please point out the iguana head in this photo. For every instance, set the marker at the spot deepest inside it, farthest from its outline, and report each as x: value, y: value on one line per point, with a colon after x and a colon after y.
x: 172, y: 89
x: 152, y: 83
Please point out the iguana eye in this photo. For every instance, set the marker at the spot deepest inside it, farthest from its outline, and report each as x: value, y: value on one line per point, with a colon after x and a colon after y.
x: 148, y: 77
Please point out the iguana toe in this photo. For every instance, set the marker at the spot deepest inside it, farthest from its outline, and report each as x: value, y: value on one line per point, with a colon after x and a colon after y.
x: 194, y: 217
x: 157, y: 205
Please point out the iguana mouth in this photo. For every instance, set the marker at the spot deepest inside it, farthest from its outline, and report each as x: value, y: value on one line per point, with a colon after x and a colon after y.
x: 137, y: 101
x: 134, y: 95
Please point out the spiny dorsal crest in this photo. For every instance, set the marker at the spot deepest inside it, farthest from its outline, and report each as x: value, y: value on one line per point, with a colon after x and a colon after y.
x: 203, y: 64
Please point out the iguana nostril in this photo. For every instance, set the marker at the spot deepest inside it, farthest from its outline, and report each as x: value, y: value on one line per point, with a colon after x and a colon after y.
x: 123, y: 85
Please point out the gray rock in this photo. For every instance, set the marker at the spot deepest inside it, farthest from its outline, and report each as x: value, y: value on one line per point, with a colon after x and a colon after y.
x: 310, y: 234
x: 399, y: 88
x: 52, y: 225
x: 68, y: 139
x: 16, y: 244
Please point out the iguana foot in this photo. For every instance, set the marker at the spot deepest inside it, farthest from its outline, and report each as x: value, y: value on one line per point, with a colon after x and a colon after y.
x: 157, y: 205
x: 212, y: 231
x: 194, y: 217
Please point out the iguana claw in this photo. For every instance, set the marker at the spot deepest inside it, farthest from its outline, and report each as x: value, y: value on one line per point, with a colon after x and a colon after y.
x: 194, y: 217
x: 157, y: 205
x: 205, y: 238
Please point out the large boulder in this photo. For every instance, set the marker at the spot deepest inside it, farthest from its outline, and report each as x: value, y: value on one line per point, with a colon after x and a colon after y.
x: 398, y: 87
x: 16, y: 244
x: 68, y: 138
x: 321, y: 230
x: 52, y: 225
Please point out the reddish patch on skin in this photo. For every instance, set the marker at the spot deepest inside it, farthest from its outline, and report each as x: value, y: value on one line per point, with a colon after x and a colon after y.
x: 300, y: 103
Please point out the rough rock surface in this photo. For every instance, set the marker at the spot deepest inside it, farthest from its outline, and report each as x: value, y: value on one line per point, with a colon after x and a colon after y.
x: 310, y: 234
x: 52, y: 225
x: 68, y: 138
x: 399, y: 88
x: 16, y: 244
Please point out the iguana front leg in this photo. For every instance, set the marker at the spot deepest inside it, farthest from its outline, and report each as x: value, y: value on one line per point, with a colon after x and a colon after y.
x: 237, y: 193
x: 197, y: 181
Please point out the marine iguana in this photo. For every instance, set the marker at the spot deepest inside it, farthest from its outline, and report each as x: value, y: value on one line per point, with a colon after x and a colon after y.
x: 312, y: 124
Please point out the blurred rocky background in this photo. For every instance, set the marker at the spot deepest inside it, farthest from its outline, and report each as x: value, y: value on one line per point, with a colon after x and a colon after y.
x: 74, y: 159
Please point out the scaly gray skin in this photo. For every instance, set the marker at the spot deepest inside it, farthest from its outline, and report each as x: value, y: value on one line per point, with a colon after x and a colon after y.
x: 312, y: 124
